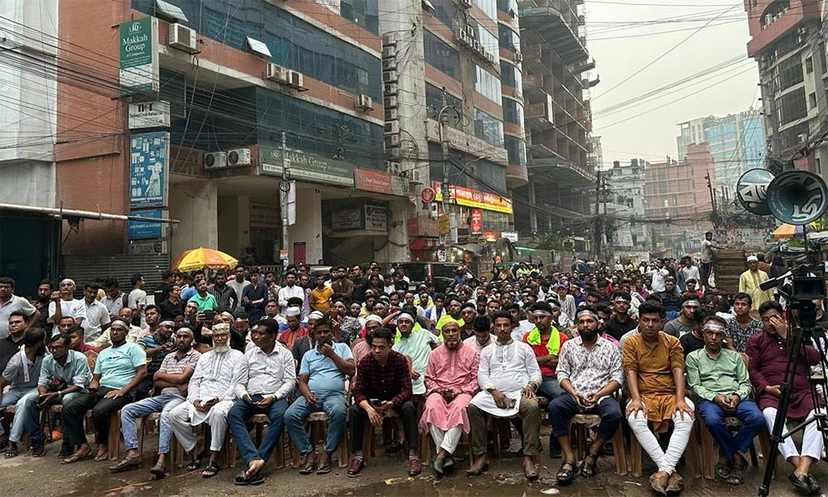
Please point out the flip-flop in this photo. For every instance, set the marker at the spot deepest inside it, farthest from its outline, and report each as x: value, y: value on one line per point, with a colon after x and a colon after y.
x: 324, y: 469
x: 257, y: 479
x: 75, y: 458
x: 102, y: 457
x: 241, y: 479
x: 306, y: 468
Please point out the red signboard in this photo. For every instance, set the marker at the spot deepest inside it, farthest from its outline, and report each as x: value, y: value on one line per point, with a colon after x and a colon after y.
x: 372, y: 181
x: 476, y: 221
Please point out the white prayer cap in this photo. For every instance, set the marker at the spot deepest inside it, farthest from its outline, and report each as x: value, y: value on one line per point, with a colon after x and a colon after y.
x: 315, y: 315
x: 292, y: 311
x: 752, y: 258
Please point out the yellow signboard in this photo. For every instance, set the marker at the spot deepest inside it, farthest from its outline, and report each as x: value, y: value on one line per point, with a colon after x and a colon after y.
x: 443, y: 224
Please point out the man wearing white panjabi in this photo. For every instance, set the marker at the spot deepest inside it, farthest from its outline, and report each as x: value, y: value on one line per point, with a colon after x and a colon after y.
x: 508, y: 377
x: 210, y: 395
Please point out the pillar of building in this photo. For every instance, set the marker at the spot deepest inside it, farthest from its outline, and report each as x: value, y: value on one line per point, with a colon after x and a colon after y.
x: 396, y: 248
x: 233, y: 224
x: 308, y: 226
x: 195, y: 205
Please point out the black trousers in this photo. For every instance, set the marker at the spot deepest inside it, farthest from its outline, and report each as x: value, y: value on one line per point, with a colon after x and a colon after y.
x: 358, y: 419
x: 75, y: 411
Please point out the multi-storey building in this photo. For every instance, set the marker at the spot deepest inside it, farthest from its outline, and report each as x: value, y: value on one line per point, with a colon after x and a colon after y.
x: 787, y: 43
x: 736, y: 142
x: 558, y: 117
x: 626, y: 187
x: 677, y: 201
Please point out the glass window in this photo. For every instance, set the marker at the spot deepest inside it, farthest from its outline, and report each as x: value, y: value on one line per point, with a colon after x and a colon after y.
x: 508, y: 38
x: 516, y: 149
x: 361, y: 12
x: 441, y: 55
x: 489, y: 7
x: 508, y: 6
x: 434, y: 102
x: 444, y: 10
x: 512, y: 111
x: 510, y: 75
x: 489, y: 42
x: 488, y: 128
x: 486, y: 83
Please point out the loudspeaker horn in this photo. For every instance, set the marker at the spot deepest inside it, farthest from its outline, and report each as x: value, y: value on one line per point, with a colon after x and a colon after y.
x: 797, y: 197
x: 751, y: 190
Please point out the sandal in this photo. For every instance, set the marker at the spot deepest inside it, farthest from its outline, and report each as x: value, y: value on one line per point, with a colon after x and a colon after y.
x: 195, y: 462
x: 736, y: 477
x: 307, y: 467
x: 587, y: 469
x: 102, y: 457
x: 12, y: 451
x: 211, y: 470
x: 241, y: 479
x: 723, y: 470
x: 78, y: 457
x: 256, y: 479
x: 567, y: 472
x: 324, y: 469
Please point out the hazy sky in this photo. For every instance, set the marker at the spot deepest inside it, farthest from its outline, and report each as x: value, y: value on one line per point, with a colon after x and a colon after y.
x: 621, y: 39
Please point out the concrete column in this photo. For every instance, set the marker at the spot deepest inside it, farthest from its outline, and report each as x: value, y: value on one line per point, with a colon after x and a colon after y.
x: 195, y: 205
x: 233, y: 224
x: 308, y: 226
x: 397, y: 247
x: 533, y: 214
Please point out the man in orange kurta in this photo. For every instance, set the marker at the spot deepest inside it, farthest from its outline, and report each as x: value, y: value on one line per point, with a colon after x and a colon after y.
x: 654, y: 367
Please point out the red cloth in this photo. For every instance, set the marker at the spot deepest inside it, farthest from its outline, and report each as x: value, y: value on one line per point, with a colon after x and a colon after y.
x: 540, y: 350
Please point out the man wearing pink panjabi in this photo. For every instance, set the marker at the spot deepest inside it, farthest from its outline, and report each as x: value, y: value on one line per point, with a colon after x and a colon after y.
x: 450, y: 380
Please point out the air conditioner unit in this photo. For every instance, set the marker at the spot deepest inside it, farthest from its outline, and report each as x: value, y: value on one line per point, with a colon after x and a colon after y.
x: 295, y: 79
x: 389, y: 76
x: 392, y: 141
x: 389, y: 89
x: 278, y: 73
x: 462, y: 37
x: 238, y: 157
x: 391, y: 114
x: 471, y: 32
x: 414, y: 176
x: 182, y: 38
x: 389, y: 64
x: 392, y: 128
x: 475, y: 45
x: 365, y: 102
x: 518, y: 57
x: 465, y: 4
x: 389, y: 52
x: 394, y: 168
x: 389, y: 39
x: 215, y: 160
x: 390, y: 102
x: 393, y: 153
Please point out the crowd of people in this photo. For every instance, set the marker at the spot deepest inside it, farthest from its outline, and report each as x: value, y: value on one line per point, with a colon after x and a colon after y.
x: 367, y: 347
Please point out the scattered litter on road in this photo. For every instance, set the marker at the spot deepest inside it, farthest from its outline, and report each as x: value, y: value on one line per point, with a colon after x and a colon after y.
x: 632, y: 482
x: 550, y: 491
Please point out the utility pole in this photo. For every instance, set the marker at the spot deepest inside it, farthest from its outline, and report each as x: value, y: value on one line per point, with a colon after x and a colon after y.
x: 715, y: 215
x: 284, y: 190
x: 444, y: 186
x: 598, y: 223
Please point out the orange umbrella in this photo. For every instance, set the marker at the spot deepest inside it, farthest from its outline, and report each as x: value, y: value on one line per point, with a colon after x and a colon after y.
x: 787, y: 231
x: 200, y: 258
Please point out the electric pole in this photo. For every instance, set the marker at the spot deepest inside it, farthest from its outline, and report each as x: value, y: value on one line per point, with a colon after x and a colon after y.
x: 444, y: 186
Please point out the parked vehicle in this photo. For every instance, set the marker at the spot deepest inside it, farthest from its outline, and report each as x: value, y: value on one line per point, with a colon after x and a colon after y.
x: 440, y: 274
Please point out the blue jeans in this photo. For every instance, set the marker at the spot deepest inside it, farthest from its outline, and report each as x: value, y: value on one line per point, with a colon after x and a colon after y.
x: 562, y: 409
x: 31, y: 414
x: 236, y: 421
x: 163, y: 403
x: 332, y: 404
x: 16, y: 397
x: 549, y: 388
x: 729, y: 444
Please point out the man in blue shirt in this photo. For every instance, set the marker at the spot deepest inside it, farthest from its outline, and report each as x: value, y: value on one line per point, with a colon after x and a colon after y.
x: 321, y: 383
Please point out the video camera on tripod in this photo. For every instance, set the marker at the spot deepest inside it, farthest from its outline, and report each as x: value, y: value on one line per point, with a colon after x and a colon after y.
x: 805, y: 287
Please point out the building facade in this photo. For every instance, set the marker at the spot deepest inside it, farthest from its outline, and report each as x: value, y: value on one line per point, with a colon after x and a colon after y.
x: 558, y: 118
x: 788, y: 46
x: 626, y: 185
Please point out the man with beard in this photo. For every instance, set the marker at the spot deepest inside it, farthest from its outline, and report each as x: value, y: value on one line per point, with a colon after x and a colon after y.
x: 291, y: 289
x: 468, y: 313
x: 21, y: 375
x: 103, y: 341
x: 768, y: 353
x: 64, y: 373
x: 171, y: 380
x: 152, y: 316
x: 97, y: 315
x: 750, y: 281
x: 118, y: 371
x: 453, y: 311
x: 294, y: 328
x: 226, y: 298
x: 416, y: 344
x: 654, y: 368
x: 239, y: 330
x: 265, y: 389
x: 156, y: 346
x: 341, y: 284
x: 321, y: 383
x: 64, y: 304
x: 719, y: 378
x: 210, y: 395
x: 450, y: 381
x: 589, y: 371
x: 546, y: 342
x: 202, y: 298
x: 508, y: 377
x: 41, y: 304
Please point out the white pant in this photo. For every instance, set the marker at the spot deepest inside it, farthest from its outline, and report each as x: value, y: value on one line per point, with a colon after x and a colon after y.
x: 446, y: 439
x: 666, y: 461
x: 182, y: 426
x: 811, y: 438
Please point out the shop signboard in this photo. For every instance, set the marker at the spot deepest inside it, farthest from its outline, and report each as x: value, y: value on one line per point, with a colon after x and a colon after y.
x: 346, y: 219
x: 491, y: 236
x: 149, y: 169
x: 512, y: 236
x: 138, y: 55
x: 376, y: 218
x: 149, y: 115
x: 307, y: 167
x: 145, y: 230
x: 476, y: 199
x: 476, y: 221
x: 264, y: 216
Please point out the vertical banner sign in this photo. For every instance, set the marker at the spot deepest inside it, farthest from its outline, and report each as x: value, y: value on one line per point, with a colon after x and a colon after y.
x: 300, y: 252
x: 476, y: 221
x: 149, y: 169
x: 138, y: 55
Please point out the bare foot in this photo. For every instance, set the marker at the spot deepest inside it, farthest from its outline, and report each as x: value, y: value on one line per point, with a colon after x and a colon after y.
x: 254, y: 467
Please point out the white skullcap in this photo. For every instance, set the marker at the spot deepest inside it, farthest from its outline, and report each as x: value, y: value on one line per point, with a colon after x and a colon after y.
x: 315, y: 315
x: 752, y: 258
x: 292, y: 311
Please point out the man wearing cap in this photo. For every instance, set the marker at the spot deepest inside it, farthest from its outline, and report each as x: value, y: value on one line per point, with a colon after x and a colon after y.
x: 450, y: 381
x: 750, y: 280
x: 620, y: 322
x: 589, y: 369
x: 508, y: 376
x: 453, y: 311
x: 210, y: 394
x: 264, y: 389
x: 685, y: 322
x: 360, y: 347
x: 294, y: 329
x: 65, y: 304
x: 156, y: 346
x: 171, y: 380
x: 416, y: 344
x: 719, y: 378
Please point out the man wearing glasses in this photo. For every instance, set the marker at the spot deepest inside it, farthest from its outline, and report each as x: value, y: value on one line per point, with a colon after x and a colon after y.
x: 719, y: 378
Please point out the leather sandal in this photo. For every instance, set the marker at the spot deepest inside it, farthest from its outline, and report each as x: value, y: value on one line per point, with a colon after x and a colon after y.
x: 126, y: 464
x: 567, y: 472
x: 587, y: 469
x: 478, y: 469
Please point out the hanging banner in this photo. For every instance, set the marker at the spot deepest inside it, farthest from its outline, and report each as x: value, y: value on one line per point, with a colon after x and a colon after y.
x: 138, y: 55
x: 149, y: 169
x: 476, y: 221
x: 376, y: 218
x: 145, y: 230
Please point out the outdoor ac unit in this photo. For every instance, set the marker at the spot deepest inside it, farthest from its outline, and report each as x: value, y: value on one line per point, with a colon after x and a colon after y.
x: 389, y: 89
x: 471, y: 32
x: 392, y: 141
x: 182, y: 38
x: 276, y: 72
x: 392, y: 128
x: 389, y: 64
x: 389, y: 39
x: 391, y: 114
x: 390, y: 102
x: 238, y: 157
x: 365, y: 102
x: 215, y: 160
x: 394, y: 168
x: 389, y: 52
x: 414, y: 176
x: 389, y: 76
x: 295, y: 79
x: 518, y: 57
x: 465, y: 4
